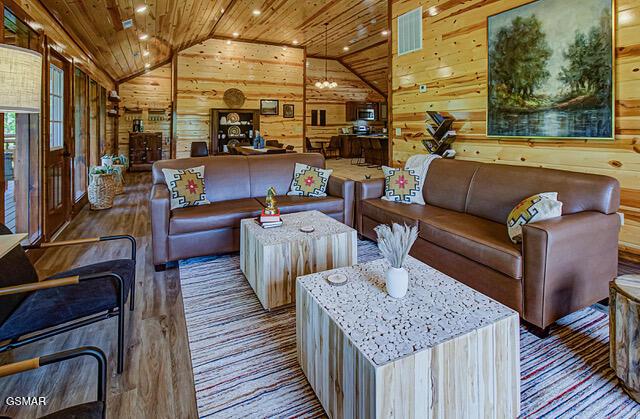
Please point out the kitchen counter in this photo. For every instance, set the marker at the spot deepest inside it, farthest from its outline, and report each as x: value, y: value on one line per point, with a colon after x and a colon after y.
x: 350, y: 145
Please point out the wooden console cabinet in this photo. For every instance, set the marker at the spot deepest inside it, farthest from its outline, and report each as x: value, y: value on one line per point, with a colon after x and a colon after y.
x: 144, y: 149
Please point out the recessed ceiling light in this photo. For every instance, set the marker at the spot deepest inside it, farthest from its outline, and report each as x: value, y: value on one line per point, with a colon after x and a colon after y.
x: 345, y: 48
x: 229, y: 42
x: 147, y: 65
x: 384, y: 32
x: 235, y: 34
x: 295, y: 42
x: 145, y: 53
x: 433, y: 11
x: 141, y: 9
x: 144, y: 37
x: 256, y: 12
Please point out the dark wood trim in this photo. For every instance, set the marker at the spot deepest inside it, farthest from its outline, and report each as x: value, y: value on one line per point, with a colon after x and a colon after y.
x: 215, y: 25
x: 255, y: 41
x: 377, y: 44
x: 362, y: 79
x: 75, y: 39
x: 2, y: 182
x: 174, y: 105
x: 146, y: 70
x: 304, y: 101
x: 390, y: 130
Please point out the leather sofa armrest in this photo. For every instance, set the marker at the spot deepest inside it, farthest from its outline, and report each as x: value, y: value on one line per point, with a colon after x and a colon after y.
x: 345, y: 189
x: 160, y: 208
x: 568, y: 263
x: 366, y: 189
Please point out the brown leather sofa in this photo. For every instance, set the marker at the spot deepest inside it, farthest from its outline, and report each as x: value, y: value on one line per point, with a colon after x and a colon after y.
x: 563, y: 264
x: 236, y: 186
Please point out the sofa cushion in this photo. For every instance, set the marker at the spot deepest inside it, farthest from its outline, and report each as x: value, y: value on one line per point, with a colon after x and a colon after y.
x: 289, y: 204
x: 213, y: 216
x: 478, y: 239
x: 386, y: 212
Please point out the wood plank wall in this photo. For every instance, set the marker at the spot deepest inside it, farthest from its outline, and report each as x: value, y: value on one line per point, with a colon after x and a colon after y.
x: 149, y: 91
x: 333, y: 101
x: 453, y: 63
x: 261, y: 71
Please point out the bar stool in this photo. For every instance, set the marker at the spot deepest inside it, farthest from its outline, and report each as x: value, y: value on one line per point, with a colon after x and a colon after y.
x: 357, y: 154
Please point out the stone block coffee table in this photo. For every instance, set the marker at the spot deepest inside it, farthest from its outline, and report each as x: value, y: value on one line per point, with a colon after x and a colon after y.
x: 443, y: 351
x: 273, y: 258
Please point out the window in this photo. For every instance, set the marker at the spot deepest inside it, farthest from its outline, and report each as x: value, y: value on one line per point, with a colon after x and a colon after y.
x: 56, y: 110
x: 410, y: 31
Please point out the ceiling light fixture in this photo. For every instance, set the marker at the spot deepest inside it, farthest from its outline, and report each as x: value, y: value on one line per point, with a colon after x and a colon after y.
x: 228, y: 42
x: 295, y: 42
x: 144, y: 37
x: 384, y: 32
x: 141, y: 9
x: 345, y: 48
x: 326, y: 83
x: 145, y: 53
x: 147, y: 65
x: 235, y: 34
x: 256, y: 12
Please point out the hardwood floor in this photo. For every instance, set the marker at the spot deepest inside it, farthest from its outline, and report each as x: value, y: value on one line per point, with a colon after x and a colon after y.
x: 157, y: 381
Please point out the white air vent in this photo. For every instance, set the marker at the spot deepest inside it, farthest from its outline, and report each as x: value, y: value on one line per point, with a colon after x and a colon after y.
x: 127, y: 23
x: 410, y: 31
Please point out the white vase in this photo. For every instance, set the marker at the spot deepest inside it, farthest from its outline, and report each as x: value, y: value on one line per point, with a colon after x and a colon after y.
x: 397, y: 280
x: 106, y: 161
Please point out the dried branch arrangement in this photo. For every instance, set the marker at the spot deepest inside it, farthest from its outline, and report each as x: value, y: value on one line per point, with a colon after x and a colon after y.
x: 395, y: 242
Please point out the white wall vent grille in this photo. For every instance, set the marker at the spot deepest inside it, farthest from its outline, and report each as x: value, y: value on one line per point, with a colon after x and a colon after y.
x: 410, y: 31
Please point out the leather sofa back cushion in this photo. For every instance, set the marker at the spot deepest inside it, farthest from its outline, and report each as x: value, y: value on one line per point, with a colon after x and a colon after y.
x: 447, y: 183
x: 496, y: 189
x: 238, y: 177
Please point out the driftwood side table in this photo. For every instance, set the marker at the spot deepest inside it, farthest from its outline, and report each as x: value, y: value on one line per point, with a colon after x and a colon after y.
x: 624, y: 332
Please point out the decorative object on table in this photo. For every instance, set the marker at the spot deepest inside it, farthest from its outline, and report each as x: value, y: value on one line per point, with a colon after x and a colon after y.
x: 309, y: 181
x: 233, y: 118
x: 402, y: 186
x: 288, y: 110
x: 271, y: 213
x: 326, y: 83
x: 531, y: 210
x: 21, y: 74
x: 307, y: 229
x: 234, y: 98
x: 394, y: 243
x: 441, y: 134
x: 223, y: 120
x: 258, y: 141
x: 337, y: 279
x: 624, y: 332
x: 138, y: 125
x: 269, y: 106
x: 186, y: 187
x: 550, y: 83
x: 106, y: 160
x: 234, y: 131
x: 102, y: 189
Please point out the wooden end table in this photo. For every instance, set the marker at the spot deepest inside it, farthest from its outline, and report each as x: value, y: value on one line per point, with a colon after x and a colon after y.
x: 624, y: 332
x: 273, y: 258
x: 444, y: 350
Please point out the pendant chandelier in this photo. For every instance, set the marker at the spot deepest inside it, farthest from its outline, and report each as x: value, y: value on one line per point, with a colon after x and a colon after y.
x: 326, y: 84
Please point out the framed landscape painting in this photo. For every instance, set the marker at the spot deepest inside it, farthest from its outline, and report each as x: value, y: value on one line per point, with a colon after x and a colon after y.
x: 551, y: 70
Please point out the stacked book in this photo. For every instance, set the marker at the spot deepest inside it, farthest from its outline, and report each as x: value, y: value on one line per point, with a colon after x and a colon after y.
x: 270, y: 220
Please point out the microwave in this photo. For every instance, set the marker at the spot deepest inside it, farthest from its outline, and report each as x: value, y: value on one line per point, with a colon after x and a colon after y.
x: 366, y: 114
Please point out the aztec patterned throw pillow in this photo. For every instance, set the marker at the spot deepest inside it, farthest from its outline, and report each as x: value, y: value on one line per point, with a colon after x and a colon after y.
x: 402, y: 185
x: 309, y: 181
x: 186, y: 187
x: 535, y: 208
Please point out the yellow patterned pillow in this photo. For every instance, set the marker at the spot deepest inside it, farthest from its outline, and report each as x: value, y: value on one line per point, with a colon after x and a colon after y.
x: 535, y: 208
x: 402, y: 185
x: 186, y: 187
x: 309, y: 181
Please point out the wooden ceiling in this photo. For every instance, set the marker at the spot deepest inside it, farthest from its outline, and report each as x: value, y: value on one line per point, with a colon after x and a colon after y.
x: 173, y: 25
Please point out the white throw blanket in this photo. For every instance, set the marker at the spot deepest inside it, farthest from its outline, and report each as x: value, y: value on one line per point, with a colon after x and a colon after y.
x: 419, y: 163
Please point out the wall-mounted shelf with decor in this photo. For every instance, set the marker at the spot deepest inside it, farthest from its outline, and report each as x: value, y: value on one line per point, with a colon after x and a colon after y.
x: 441, y: 133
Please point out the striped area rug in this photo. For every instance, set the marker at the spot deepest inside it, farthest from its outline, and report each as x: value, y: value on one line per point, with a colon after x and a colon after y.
x: 244, y: 359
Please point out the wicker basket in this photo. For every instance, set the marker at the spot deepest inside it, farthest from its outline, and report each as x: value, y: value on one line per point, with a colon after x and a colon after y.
x: 118, y: 172
x: 102, y: 190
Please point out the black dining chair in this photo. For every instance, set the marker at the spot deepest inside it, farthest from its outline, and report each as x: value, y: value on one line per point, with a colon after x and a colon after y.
x: 333, y: 149
x: 377, y: 153
x: 88, y: 410
x: 32, y: 310
x: 199, y: 149
x: 310, y: 148
x: 357, y: 152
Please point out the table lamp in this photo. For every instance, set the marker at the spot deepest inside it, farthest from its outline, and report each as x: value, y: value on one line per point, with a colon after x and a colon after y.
x: 20, y: 80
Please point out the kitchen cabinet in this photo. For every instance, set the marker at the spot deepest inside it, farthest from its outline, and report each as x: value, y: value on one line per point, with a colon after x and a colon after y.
x: 144, y: 149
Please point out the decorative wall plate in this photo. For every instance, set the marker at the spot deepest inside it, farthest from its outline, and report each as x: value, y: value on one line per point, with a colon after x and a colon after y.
x: 234, y: 98
x: 234, y: 131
